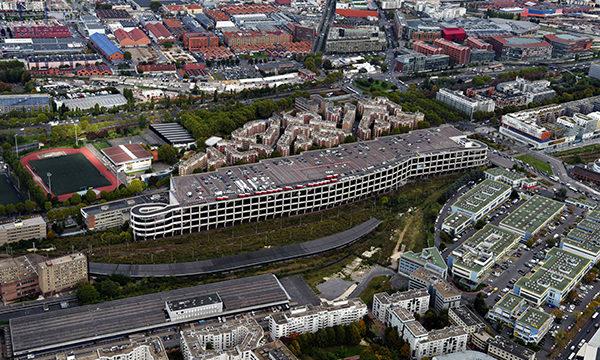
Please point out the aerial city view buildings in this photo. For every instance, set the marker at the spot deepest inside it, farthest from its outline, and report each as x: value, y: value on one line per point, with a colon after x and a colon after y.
x: 299, y: 179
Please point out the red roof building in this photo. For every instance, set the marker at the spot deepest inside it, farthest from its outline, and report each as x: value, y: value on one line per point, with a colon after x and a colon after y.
x: 353, y: 13
x: 129, y: 157
x: 133, y: 38
x: 159, y: 33
x: 196, y: 41
x: 454, y: 34
x: 156, y: 68
x: 193, y: 70
x: 458, y: 53
x: 41, y: 32
x: 240, y: 38
x: 283, y: 2
x: 216, y: 15
x: 249, y: 9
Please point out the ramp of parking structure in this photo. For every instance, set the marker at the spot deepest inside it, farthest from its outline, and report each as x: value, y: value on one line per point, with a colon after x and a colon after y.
x: 240, y: 261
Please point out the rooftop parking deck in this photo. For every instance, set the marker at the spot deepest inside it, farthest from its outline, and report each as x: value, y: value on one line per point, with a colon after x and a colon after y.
x: 317, y: 166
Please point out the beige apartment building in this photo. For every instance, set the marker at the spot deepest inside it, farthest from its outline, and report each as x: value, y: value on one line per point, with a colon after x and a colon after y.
x: 24, y: 229
x: 62, y: 273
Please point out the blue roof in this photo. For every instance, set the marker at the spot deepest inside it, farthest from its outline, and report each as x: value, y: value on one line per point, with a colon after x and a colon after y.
x: 103, y: 43
x: 24, y: 100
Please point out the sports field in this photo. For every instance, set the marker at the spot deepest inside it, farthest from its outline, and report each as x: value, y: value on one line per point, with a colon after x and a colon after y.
x: 8, y: 194
x: 70, y: 173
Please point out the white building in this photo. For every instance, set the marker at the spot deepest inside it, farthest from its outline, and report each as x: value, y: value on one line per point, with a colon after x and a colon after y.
x: 194, y: 308
x: 414, y: 301
x: 311, y: 181
x: 467, y: 105
x: 129, y: 158
x: 313, y: 318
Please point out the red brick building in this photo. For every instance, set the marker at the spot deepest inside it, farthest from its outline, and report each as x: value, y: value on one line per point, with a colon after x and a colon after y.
x: 133, y: 38
x: 41, y: 32
x: 476, y: 43
x: 454, y: 34
x: 159, y: 33
x: 459, y: 54
x: 424, y: 48
x: 241, y: 38
x: 196, y: 41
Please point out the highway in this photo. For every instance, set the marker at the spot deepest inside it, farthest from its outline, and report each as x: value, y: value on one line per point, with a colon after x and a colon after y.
x: 323, y: 29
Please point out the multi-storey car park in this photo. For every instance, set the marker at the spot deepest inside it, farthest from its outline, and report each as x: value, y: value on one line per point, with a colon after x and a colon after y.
x: 584, y: 240
x: 559, y: 274
x: 482, y: 198
x: 528, y: 219
x: 473, y: 259
x: 311, y: 181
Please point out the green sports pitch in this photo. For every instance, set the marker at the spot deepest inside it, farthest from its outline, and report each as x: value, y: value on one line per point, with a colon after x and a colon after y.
x: 70, y: 173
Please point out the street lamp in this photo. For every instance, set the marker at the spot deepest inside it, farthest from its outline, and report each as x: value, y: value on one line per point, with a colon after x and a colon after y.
x: 16, y: 147
x: 49, y: 175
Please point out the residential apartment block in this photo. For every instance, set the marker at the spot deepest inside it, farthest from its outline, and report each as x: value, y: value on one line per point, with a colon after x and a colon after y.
x: 312, y: 318
x: 413, y: 301
x: 62, y: 273
x: 24, y: 229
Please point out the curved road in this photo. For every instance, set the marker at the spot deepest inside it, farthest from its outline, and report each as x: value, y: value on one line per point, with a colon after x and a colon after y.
x: 240, y: 261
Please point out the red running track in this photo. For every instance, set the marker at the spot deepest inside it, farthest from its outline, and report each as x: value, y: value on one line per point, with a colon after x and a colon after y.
x: 114, y: 183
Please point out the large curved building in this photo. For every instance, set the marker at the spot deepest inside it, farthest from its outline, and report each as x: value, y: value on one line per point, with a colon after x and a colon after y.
x: 311, y: 181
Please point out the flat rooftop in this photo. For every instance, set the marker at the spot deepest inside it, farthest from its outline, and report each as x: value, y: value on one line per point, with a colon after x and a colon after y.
x: 481, y: 195
x: 127, y: 203
x: 193, y: 302
x: 512, y: 175
x: 510, y: 302
x: 312, y: 167
x: 535, y: 212
x: 488, y: 243
x: 173, y: 133
x: 586, y: 235
x: 534, y: 318
x: 428, y: 255
x: 19, y: 268
x: 125, y: 316
x: 558, y: 272
x: 467, y: 316
x: 456, y: 219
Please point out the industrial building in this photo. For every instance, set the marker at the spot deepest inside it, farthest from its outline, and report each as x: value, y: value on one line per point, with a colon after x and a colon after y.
x: 304, y: 183
x: 103, y: 101
x: 584, y: 239
x: 173, y: 134
x: 133, y: 38
x: 129, y: 158
x: 29, y: 102
x: 355, y: 39
x: 32, y: 228
x: 521, y: 48
x: 472, y: 261
x: 568, y: 45
x: 531, y: 217
x: 513, y: 178
x: 107, y: 48
x: 560, y: 272
x: 456, y: 223
x: 481, y: 199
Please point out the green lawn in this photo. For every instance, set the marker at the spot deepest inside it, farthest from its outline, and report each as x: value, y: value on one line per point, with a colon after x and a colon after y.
x: 376, y: 285
x: 536, y: 163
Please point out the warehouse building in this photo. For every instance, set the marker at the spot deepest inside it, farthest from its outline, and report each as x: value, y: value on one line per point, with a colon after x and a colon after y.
x: 29, y: 102
x: 70, y: 327
x: 304, y: 183
x: 129, y: 158
x: 481, y: 199
x: 472, y: 261
x: 559, y: 274
x: 531, y: 217
x: 32, y: 228
x: 132, y: 38
x: 104, y: 101
x: 584, y: 240
x: 57, y: 61
x: 173, y: 134
x: 107, y: 48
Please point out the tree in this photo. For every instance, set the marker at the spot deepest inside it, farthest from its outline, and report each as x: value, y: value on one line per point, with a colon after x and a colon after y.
x: 155, y: 5
x: 136, y: 186
x: 405, y: 353
x: 353, y: 335
x: 561, y: 194
x: 591, y: 276
x: 75, y: 199
x: 479, y: 304
x: 167, y: 153
x: 480, y: 224
x: 90, y: 196
x: 109, y: 289
x: 572, y: 296
x: 87, y: 294
x: 127, y: 55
